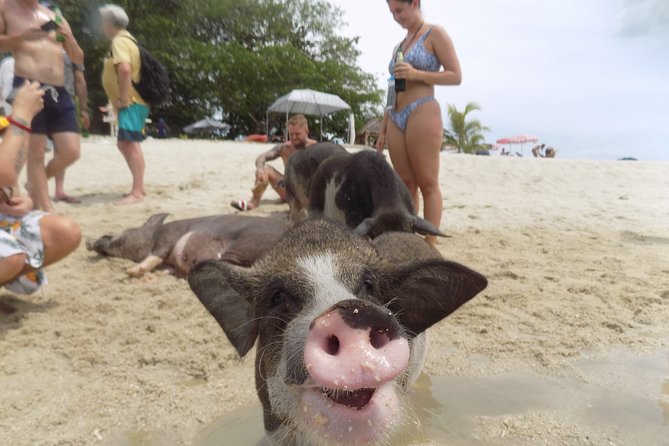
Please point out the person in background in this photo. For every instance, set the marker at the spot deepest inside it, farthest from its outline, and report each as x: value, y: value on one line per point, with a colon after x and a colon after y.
x: 6, y: 87
x: 29, y: 240
x: 162, y: 129
x: 412, y: 125
x: 75, y: 83
x: 266, y: 175
x: 38, y: 55
x: 110, y: 118
x: 121, y: 69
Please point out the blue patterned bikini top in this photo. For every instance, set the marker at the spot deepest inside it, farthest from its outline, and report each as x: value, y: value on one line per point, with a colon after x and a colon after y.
x: 418, y: 56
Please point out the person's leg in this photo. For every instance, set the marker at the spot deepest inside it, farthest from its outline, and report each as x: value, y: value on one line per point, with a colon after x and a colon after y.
x: 275, y: 180
x: 37, y: 179
x: 67, y: 152
x: 397, y: 148
x: 60, y: 236
x: 134, y: 157
x: 424, y: 139
x: 11, y: 267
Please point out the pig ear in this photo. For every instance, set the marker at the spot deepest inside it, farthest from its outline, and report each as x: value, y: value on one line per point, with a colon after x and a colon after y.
x: 222, y: 289
x: 365, y: 227
x: 423, y: 293
x: 424, y: 227
x: 155, y: 220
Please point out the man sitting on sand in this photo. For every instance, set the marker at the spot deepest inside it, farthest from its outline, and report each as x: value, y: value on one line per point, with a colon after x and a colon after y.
x: 298, y: 132
x: 29, y: 240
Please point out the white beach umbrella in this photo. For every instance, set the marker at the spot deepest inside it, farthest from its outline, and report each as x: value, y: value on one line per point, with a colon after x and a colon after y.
x: 308, y: 102
x: 206, y: 125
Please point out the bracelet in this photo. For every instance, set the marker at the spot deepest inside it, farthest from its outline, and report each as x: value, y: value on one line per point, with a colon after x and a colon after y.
x: 16, y: 123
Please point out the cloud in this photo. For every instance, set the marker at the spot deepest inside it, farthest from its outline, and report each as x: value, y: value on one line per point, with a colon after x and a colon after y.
x: 641, y: 17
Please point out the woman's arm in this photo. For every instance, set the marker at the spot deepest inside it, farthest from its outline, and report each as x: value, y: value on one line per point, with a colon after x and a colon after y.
x: 443, y: 48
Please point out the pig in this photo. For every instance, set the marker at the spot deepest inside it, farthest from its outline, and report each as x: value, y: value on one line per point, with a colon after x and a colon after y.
x: 335, y: 325
x: 183, y: 244
x: 363, y: 191
x: 299, y: 173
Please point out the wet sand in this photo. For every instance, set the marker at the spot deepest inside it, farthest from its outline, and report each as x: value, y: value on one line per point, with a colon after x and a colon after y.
x: 568, y: 345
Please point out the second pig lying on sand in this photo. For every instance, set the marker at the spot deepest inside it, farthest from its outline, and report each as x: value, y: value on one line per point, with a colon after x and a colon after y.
x: 182, y: 244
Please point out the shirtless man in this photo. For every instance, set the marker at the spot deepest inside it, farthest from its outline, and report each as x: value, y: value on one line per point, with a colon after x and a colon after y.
x: 39, y: 57
x: 298, y: 132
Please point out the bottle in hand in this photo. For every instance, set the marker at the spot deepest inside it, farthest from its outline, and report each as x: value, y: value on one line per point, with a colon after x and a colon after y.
x: 400, y: 84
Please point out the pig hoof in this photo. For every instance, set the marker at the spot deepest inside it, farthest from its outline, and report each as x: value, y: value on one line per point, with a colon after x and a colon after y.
x: 136, y: 272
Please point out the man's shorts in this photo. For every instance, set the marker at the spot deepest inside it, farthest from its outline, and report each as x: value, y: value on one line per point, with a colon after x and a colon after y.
x: 131, y: 122
x: 59, y: 114
x: 23, y: 236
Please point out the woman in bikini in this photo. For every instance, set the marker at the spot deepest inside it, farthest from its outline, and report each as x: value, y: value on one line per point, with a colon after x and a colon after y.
x: 412, y: 125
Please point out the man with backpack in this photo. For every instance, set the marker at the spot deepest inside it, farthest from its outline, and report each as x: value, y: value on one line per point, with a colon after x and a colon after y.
x: 123, y: 75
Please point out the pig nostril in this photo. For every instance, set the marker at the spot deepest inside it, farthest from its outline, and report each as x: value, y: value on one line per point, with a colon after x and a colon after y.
x: 379, y: 337
x: 332, y: 345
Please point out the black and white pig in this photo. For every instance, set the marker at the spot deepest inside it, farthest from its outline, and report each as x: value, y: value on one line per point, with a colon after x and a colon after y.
x: 335, y: 325
x: 300, y: 172
x: 363, y: 191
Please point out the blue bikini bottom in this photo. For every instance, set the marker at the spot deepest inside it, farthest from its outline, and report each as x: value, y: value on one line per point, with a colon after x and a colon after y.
x: 401, y: 118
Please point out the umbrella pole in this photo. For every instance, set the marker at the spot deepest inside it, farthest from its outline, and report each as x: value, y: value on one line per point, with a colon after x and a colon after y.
x: 321, y: 128
x: 267, y: 124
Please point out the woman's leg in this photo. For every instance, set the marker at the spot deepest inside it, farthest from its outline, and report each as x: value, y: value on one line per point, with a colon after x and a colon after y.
x: 398, y: 154
x: 424, y: 138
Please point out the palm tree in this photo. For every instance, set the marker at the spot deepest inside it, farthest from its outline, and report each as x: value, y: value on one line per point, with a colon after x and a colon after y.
x: 466, y: 135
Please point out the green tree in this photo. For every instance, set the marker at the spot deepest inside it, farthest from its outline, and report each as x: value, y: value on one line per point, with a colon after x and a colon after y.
x: 236, y: 56
x: 468, y: 135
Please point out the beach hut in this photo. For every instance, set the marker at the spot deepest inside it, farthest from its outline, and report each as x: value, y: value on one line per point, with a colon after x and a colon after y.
x: 307, y: 102
x: 369, y: 133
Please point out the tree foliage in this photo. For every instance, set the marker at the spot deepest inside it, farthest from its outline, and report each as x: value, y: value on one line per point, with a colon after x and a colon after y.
x: 236, y: 56
x: 468, y: 135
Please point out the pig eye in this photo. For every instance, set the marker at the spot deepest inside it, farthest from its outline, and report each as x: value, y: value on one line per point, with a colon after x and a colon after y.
x: 276, y: 299
x: 369, y: 287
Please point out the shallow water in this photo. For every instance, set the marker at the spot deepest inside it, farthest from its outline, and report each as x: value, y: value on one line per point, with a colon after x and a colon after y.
x: 621, y: 396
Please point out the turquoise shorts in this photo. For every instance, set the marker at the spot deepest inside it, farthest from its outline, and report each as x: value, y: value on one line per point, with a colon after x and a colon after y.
x: 131, y: 123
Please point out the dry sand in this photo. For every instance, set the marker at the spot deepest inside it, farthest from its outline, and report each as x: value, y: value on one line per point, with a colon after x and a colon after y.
x: 577, y: 254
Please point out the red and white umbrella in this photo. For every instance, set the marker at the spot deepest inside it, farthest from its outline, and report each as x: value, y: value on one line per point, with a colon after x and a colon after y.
x: 518, y: 139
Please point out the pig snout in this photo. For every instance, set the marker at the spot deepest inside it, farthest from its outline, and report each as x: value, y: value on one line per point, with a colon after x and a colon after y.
x: 355, y: 345
x: 100, y: 245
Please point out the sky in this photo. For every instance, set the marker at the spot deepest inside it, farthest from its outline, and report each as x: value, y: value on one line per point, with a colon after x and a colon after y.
x: 589, y: 77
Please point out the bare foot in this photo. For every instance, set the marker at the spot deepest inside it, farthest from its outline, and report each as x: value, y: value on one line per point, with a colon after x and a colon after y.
x: 66, y: 199
x: 130, y: 199
x: 130, y: 193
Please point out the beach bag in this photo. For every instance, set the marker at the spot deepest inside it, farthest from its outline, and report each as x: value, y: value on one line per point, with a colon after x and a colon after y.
x: 154, y: 82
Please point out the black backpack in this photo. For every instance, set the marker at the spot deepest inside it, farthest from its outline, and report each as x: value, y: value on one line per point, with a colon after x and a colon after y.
x: 154, y: 82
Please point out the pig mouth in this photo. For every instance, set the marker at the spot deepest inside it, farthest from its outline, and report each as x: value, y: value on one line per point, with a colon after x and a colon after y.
x: 353, y: 399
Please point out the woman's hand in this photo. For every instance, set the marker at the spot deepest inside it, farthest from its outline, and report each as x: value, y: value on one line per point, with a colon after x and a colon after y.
x: 404, y: 70
x: 28, y: 102
x: 17, y: 207
x: 381, y: 143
